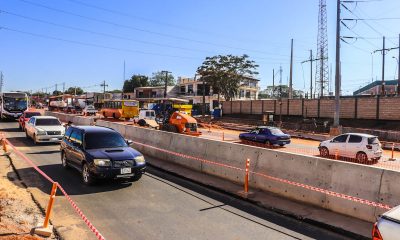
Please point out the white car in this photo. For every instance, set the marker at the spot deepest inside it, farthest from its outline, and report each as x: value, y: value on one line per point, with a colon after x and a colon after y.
x: 44, y: 129
x: 388, y: 225
x: 89, y: 110
x: 147, y: 118
x: 360, y: 146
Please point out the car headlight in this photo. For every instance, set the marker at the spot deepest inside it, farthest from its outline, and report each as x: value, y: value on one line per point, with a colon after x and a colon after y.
x: 102, y: 162
x: 40, y: 132
x: 140, y: 159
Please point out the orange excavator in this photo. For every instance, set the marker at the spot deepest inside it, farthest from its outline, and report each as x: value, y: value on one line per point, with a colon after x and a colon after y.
x: 181, y: 122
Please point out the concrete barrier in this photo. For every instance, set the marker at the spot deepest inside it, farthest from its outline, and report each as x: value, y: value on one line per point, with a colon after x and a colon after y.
x: 366, y: 182
x: 75, y: 119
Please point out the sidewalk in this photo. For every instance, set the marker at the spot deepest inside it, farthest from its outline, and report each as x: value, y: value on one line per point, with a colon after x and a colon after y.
x: 18, y: 212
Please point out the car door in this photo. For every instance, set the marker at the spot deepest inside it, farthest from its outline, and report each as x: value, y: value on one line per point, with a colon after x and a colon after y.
x: 76, y: 147
x: 353, y: 146
x: 262, y: 135
x: 66, y: 144
x: 252, y: 136
x: 338, y: 145
x: 29, y: 128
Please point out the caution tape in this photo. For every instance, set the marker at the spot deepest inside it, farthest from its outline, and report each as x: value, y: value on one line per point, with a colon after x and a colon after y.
x: 305, y: 186
x: 72, y: 203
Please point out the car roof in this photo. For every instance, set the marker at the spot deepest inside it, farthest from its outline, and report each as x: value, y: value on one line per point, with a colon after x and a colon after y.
x: 267, y: 127
x: 94, y: 129
x: 361, y: 135
x: 44, y: 117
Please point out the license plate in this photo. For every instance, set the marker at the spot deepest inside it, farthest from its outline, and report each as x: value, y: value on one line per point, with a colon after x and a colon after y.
x: 54, y: 139
x: 126, y: 170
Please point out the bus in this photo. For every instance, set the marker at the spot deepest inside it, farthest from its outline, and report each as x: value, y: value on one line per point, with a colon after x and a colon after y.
x: 13, y: 104
x: 120, y: 109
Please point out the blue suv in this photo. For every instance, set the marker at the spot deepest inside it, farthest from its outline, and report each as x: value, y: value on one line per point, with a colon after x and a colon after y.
x: 266, y: 135
x: 100, y: 153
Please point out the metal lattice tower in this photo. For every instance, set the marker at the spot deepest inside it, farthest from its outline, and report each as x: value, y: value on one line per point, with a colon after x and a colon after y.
x: 322, y: 68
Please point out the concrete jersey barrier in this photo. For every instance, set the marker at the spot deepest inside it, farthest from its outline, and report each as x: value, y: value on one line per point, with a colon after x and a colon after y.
x: 76, y: 120
x: 365, y: 182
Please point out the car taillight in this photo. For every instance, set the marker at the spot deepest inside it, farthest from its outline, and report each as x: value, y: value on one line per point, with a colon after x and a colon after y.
x: 369, y: 147
x: 376, y: 235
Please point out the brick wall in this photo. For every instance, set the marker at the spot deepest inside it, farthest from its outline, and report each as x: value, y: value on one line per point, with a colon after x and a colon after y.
x: 389, y: 107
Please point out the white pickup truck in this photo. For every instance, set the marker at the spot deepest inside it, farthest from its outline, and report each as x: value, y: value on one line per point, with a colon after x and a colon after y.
x: 147, y: 118
x: 388, y: 226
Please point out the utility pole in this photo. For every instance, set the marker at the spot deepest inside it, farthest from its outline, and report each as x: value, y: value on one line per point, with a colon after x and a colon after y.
x: 384, y: 50
x: 383, y: 67
x: 398, y: 71
x: 291, y: 72
x: 104, y: 85
x: 1, y: 82
x: 273, y: 83
x: 280, y: 81
x: 166, y: 82
x: 336, y: 122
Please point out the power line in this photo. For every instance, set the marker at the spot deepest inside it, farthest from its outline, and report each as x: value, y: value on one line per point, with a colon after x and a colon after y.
x: 143, y: 30
x: 91, y: 44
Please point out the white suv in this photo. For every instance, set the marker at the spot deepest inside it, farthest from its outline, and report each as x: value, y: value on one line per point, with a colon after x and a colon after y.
x: 363, y: 147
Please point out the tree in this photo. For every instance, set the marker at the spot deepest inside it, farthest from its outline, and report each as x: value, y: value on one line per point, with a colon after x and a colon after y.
x: 224, y: 73
x: 158, y: 79
x: 74, y: 91
x: 134, y: 82
x: 115, y: 91
x: 279, y: 91
x: 56, y: 93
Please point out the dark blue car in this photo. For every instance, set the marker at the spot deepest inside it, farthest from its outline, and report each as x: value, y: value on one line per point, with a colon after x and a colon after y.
x: 266, y: 135
x: 100, y: 153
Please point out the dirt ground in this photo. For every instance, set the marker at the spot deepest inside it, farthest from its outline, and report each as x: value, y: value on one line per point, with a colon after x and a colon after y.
x: 18, y: 213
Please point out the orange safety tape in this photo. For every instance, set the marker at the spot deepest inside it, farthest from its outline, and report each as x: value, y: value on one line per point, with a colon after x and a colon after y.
x: 73, y: 204
x: 305, y: 186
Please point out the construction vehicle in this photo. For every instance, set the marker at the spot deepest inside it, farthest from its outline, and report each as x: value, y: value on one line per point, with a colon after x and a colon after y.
x: 147, y: 118
x: 181, y: 122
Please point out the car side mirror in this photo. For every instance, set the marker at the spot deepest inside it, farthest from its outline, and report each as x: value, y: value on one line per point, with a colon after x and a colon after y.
x: 129, y: 142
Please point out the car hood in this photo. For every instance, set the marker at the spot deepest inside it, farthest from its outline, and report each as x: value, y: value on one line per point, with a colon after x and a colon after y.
x: 50, y: 128
x: 115, y: 154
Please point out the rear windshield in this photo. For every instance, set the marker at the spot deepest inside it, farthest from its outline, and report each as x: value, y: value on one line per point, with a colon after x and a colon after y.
x: 104, y: 140
x: 373, y: 140
x: 276, y: 131
x: 31, y: 114
x: 47, y: 122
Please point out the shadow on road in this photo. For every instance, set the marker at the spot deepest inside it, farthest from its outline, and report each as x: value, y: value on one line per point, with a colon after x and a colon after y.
x: 10, y: 130
x: 69, y: 179
x: 27, y: 142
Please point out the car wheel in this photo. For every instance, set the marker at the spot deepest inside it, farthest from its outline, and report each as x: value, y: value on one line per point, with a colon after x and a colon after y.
x: 34, y: 139
x: 142, y: 122
x: 136, y: 177
x: 281, y: 145
x: 324, y: 152
x: 362, y: 157
x: 87, y: 177
x: 268, y: 143
x: 20, y: 127
x: 26, y: 134
x: 114, y: 116
x: 64, y: 161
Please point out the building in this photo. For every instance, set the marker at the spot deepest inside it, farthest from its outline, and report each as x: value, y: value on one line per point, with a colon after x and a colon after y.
x: 375, y: 88
x: 154, y: 92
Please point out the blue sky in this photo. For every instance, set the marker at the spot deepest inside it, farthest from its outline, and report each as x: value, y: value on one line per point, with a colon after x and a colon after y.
x: 177, y: 35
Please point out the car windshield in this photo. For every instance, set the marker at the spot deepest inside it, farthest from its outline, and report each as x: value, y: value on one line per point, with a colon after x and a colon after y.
x: 373, y: 140
x: 276, y: 131
x: 97, y: 140
x: 31, y: 114
x: 47, y: 122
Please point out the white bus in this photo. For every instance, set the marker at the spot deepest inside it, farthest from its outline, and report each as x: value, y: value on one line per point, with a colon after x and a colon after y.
x: 13, y: 104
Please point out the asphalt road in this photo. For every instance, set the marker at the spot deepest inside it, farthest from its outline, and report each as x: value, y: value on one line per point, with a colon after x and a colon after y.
x: 161, y: 206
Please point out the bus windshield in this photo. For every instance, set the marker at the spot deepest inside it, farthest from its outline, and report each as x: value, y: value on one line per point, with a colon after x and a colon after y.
x: 14, y: 104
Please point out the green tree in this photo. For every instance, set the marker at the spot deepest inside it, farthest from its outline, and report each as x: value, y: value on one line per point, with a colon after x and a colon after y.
x: 224, y: 73
x: 56, y: 93
x: 134, y: 82
x: 74, y: 90
x: 279, y: 91
x: 158, y: 79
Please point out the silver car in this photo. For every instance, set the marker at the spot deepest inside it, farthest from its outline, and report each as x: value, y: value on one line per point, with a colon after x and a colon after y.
x: 44, y: 129
x: 388, y: 226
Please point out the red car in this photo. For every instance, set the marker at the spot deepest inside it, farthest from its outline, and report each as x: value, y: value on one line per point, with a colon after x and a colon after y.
x: 25, y: 118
